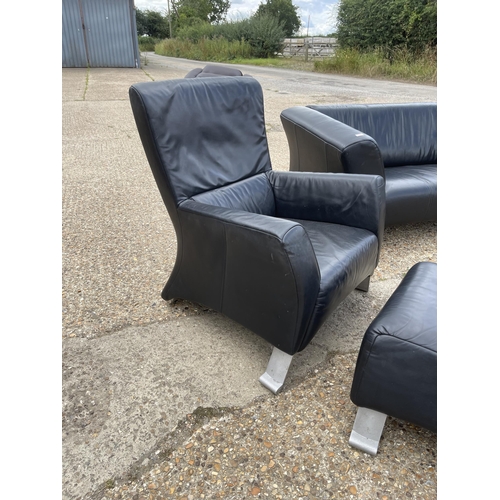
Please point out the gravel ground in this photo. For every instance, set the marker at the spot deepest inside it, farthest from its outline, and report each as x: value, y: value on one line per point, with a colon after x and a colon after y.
x: 292, y: 446
x: 118, y: 249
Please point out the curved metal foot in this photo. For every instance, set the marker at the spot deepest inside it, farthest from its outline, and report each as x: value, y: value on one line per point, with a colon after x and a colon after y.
x: 367, y: 429
x: 277, y: 368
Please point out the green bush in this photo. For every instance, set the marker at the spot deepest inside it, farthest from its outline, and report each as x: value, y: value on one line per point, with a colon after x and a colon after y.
x: 147, y: 43
x: 237, y: 30
x: 369, y: 24
x: 196, y: 31
x: 258, y: 36
x: 265, y: 35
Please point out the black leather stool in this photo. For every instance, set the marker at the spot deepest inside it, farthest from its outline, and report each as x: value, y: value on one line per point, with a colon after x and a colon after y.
x: 396, y: 370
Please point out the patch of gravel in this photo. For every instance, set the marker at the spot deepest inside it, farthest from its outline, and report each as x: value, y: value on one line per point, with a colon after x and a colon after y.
x: 292, y: 446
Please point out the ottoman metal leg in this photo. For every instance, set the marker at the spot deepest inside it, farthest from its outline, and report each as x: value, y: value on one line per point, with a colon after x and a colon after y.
x: 276, y: 371
x: 367, y: 429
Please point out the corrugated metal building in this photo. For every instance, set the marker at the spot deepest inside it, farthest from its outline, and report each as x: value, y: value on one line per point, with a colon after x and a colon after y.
x: 99, y: 34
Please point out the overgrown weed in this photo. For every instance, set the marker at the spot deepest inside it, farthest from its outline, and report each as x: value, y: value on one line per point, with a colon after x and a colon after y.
x: 396, y: 64
x: 206, y: 49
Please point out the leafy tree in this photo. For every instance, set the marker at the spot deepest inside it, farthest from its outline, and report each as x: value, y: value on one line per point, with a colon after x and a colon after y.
x: 151, y: 23
x: 285, y: 12
x: 192, y: 11
x: 366, y: 24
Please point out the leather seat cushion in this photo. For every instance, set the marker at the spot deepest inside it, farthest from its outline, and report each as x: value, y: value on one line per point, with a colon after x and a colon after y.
x: 411, y: 193
x: 345, y: 255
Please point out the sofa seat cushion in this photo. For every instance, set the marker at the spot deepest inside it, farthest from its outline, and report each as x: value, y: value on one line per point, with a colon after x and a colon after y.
x: 411, y: 194
x: 345, y: 255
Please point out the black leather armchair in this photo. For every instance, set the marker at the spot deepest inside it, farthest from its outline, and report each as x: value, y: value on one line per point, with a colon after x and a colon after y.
x: 213, y: 70
x: 274, y: 251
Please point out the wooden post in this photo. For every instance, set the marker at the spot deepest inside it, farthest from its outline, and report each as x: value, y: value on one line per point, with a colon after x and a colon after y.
x: 306, y: 47
x: 169, y: 21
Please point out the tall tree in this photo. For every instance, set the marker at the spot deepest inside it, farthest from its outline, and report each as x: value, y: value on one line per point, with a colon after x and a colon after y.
x: 151, y: 23
x: 211, y: 11
x: 285, y: 12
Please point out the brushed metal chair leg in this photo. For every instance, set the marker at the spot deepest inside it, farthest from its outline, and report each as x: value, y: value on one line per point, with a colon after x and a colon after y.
x: 364, y: 285
x: 277, y: 368
x: 367, y: 429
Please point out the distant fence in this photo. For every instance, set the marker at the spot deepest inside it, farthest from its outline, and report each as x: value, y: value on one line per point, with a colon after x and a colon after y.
x: 313, y: 46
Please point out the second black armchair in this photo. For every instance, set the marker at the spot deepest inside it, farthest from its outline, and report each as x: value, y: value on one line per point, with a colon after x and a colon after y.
x: 212, y: 70
x: 274, y: 251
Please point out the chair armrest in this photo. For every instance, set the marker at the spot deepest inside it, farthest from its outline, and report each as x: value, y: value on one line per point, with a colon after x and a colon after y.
x: 350, y: 199
x: 319, y: 143
x: 244, y: 262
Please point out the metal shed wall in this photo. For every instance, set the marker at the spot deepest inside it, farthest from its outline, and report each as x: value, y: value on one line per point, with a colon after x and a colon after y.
x: 100, y: 34
x: 73, y: 43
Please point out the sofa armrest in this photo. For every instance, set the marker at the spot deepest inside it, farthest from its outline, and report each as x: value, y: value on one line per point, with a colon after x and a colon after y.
x: 319, y: 143
x: 354, y: 200
x: 243, y: 262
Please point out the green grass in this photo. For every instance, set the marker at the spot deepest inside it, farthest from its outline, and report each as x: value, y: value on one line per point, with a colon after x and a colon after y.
x: 400, y: 65
x: 414, y: 70
x: 295, y: 63
x: 147, y: 43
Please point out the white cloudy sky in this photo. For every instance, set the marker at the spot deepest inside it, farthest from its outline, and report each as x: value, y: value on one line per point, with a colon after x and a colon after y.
x: 317, y: 12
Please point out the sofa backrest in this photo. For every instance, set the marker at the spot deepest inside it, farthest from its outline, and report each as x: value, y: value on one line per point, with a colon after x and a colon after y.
x: 406, y: 133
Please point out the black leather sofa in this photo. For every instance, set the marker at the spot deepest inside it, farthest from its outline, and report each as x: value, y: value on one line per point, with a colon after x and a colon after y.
x: 274, y: 251
x: 396, y: 141
x: 396, y: 370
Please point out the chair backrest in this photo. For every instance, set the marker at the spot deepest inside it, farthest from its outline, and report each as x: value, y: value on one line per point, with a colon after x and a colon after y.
x: 406, y: 133
x: 211, y: 70
x: 201, y: 134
